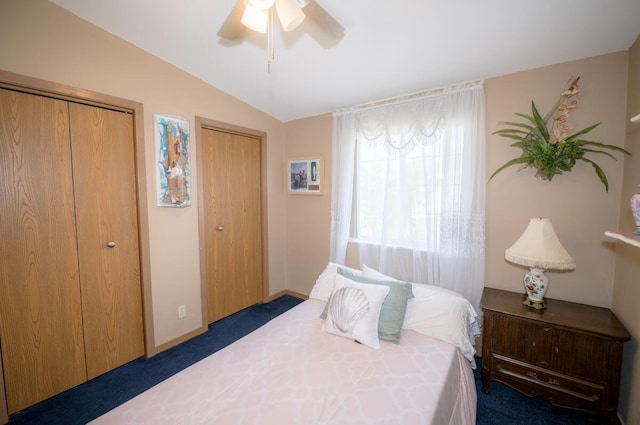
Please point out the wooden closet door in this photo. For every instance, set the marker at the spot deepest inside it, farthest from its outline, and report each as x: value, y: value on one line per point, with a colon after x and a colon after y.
x: 106, y: 214
x: 40, y: 309
x: 232, y: 221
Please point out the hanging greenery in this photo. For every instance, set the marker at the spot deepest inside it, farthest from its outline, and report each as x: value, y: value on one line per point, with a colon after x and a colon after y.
x: 552, y: 150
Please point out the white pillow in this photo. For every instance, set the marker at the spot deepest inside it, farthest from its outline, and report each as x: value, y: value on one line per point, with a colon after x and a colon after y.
x: 449, y: 318
x: 439, y: 313
x: 368, y: 271
x: 428, y: 291
x: 354, y: 310
x: 324, y: 284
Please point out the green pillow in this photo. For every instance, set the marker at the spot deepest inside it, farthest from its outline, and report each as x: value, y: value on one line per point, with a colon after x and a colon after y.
x: 394, y: 306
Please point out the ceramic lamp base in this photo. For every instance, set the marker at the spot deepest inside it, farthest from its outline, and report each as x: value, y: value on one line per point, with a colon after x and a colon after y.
x: 538, y: 305
x: 536, y: 284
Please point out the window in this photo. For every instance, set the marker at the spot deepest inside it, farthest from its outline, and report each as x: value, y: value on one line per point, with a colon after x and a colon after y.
x: 409, y: 185
x: 401, y: 194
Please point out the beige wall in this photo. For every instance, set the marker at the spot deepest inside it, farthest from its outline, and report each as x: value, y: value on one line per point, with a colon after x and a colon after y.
x: 626, y: 289
x: 308, y: 216
x: 44, y: 41
x: 577, y: 203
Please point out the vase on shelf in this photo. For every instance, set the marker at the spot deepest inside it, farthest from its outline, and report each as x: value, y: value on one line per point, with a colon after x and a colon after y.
x: 635, y: 209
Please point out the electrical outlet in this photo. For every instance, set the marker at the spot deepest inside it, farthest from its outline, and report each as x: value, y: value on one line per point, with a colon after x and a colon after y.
x: 182, y: 311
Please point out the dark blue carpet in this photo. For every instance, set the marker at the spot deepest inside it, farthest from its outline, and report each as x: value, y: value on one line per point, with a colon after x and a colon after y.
x: 79, y: 405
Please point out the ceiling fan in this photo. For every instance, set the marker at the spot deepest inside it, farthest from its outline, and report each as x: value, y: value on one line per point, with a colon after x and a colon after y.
x: 255, y: 15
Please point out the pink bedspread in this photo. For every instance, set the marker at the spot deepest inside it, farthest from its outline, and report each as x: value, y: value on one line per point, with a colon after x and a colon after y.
x: 291, y: 372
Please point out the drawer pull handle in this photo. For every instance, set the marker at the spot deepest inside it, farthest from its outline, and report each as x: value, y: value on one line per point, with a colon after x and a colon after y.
x: 551, y: 381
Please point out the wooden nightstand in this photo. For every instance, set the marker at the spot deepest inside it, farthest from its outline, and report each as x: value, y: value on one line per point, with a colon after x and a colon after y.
x: 569, y: 353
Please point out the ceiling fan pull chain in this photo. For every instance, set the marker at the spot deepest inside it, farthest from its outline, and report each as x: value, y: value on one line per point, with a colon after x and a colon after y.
x: 270, y: 49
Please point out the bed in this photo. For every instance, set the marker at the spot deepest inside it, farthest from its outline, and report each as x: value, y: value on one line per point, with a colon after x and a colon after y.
x: 294, y: 370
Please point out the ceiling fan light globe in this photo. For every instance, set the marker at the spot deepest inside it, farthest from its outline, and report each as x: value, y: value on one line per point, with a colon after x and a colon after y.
x: 255, y: 19
x: 290, y: 14
x: 262, y: 4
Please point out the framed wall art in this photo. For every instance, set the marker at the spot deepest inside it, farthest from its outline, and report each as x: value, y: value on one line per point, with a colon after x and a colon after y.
x: 305, y: 176
x: 172, y: 147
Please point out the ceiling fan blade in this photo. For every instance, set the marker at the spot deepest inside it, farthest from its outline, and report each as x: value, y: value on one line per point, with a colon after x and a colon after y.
x: 321, y: 18
x: 232, y: 29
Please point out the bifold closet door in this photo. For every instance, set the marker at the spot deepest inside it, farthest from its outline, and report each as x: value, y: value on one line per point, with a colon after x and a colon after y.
x: 70, y: 294
x: 231, y: 190
x: 41, y: 332
x: 107, y: 223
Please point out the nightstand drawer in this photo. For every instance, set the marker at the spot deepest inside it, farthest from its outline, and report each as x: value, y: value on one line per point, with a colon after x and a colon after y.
x: 570, y: 392
x: 552, y: 348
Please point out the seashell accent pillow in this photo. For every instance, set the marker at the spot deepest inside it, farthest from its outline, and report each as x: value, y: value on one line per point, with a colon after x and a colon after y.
x: 394, y: 306
x: 353, y: 311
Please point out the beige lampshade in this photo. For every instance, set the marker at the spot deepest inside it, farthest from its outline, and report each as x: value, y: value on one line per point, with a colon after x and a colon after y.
x: 539, y: 247
x: 261, y: 4
x: 255, y: 19
x: 290, y: 14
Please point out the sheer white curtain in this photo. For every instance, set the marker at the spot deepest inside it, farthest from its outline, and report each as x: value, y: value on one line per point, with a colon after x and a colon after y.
x: 418, y: 169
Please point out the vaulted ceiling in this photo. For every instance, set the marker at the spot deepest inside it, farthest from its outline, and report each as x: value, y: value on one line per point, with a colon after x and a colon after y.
x: 389, y: 48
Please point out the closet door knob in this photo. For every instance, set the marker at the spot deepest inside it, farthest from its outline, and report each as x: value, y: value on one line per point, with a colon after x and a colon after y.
x: 219, y: 228
x: 111, y: 244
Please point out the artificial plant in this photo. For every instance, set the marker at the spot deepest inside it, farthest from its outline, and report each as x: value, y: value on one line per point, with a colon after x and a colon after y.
x: 551, y: 150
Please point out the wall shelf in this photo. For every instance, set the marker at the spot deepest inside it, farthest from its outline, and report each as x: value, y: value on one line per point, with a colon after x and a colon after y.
x: 626, y: 237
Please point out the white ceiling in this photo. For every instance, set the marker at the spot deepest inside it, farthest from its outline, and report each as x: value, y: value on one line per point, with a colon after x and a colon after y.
x: 390, y: 48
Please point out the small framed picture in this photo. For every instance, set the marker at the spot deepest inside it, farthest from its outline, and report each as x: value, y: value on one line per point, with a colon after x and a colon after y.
x: 305, y: 176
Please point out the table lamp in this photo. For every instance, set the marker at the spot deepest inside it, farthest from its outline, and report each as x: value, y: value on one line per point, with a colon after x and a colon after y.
x: 539, y: 249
